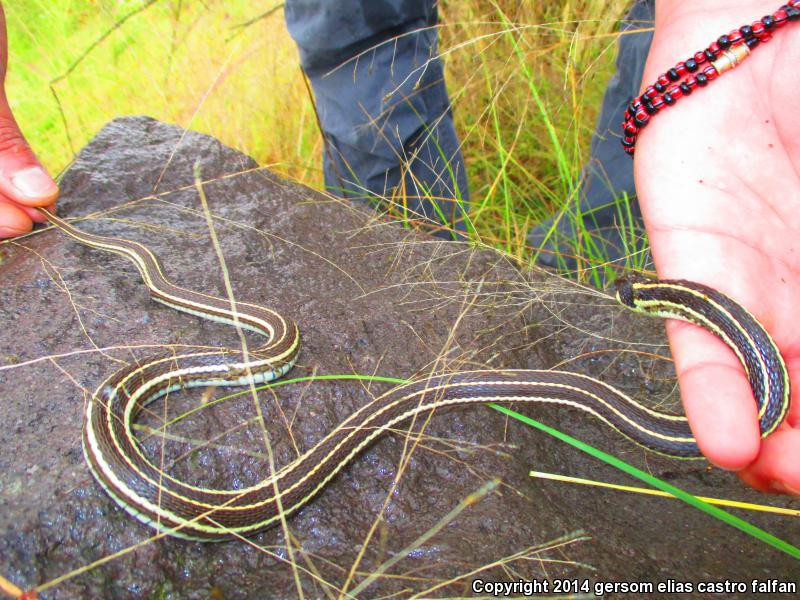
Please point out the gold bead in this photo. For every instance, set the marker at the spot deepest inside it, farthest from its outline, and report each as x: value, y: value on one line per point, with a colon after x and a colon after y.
x: 731, y: 58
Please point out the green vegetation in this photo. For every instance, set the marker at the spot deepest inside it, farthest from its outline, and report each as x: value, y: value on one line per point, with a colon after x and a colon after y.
x: 526, y: 80
x: 623, y: 466
x: 183, y: 62
x: 660, y: 484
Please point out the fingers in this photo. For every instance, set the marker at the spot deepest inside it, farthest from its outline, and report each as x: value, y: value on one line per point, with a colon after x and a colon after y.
x: 777, y: 468
x: 23, y: 181
x: 793, y: 416
x: 16, y: 220
x: 724, y: 417
x: 716, y: 396
x: 35, y: 215
x: 13, y: 220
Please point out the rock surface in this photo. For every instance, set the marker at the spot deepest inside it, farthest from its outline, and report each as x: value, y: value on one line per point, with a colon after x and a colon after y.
x: 369, y: 298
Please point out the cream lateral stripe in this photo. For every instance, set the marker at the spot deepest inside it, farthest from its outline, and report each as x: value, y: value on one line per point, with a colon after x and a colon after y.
x: 682, y: 309
x: 258, y: 328
x: 127, y: 423
x: 259, y: 375
x: 735, y: 322
x: 675, y: 311
x: 416, y: 396
x: 669, y: 310
x: 330, y: 474
x: 182, y: 303
x: 374, y: 433
x: 256, y: 366
x: 183, y: 510
x: 131, y: 510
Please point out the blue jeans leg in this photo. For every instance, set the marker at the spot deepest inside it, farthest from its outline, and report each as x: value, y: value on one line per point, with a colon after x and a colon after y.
x: 381, y: 98
x: 609, y: 173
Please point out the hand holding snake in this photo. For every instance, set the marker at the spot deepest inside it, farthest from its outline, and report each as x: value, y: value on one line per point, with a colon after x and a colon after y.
x: 719, y: 188
x: 718, y: 200
x: 184, y: 510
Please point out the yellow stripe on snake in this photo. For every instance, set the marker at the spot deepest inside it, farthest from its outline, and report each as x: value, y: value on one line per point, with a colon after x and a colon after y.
x: 183, y: 510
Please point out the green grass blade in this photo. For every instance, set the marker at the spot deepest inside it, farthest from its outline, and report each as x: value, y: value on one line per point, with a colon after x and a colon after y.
x: 718, y: 513
x: 623, y: 466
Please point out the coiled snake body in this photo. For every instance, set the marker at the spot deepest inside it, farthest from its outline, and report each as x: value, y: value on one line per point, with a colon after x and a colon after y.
x: 183, y: 510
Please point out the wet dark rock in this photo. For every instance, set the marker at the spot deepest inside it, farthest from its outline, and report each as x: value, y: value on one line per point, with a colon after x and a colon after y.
x: 369, y: 298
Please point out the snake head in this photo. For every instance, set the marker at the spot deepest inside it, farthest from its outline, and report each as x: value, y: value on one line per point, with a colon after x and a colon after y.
x: 625, y: 289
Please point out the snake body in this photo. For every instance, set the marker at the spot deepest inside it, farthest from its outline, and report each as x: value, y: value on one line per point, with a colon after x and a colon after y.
x: 187, y: 511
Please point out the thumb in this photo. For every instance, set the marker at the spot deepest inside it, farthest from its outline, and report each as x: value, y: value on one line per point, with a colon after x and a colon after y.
x: 23, y: 180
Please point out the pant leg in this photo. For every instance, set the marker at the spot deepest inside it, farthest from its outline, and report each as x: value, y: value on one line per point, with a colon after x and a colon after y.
x: 385, y: 113
x: 609, y: 173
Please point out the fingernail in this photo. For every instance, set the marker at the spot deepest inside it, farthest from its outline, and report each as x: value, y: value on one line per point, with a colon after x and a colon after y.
x: 34, y: 183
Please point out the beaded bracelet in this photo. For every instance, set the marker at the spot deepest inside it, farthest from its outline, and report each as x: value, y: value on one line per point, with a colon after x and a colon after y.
x: 723, y: 55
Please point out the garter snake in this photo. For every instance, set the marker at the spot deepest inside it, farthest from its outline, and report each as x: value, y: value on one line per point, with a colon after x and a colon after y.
x: 183, y: 510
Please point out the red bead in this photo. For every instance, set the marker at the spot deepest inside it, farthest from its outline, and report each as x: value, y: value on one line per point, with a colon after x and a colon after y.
x: 680, y: 80
x: 675, y: 92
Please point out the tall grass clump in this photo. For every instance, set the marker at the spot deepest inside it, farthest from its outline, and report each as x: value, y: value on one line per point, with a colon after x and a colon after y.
x: 526, y: 79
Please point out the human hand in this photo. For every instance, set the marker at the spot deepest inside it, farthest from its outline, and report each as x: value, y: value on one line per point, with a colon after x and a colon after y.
x: 23, y: 181
x: 719, y: 185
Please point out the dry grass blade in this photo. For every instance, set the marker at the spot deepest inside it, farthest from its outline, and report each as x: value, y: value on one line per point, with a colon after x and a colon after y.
x: 477, y: 496
x: 245, y: 358
x: 527, y: 553
x: 9, y: 588
x: 650, y: 492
